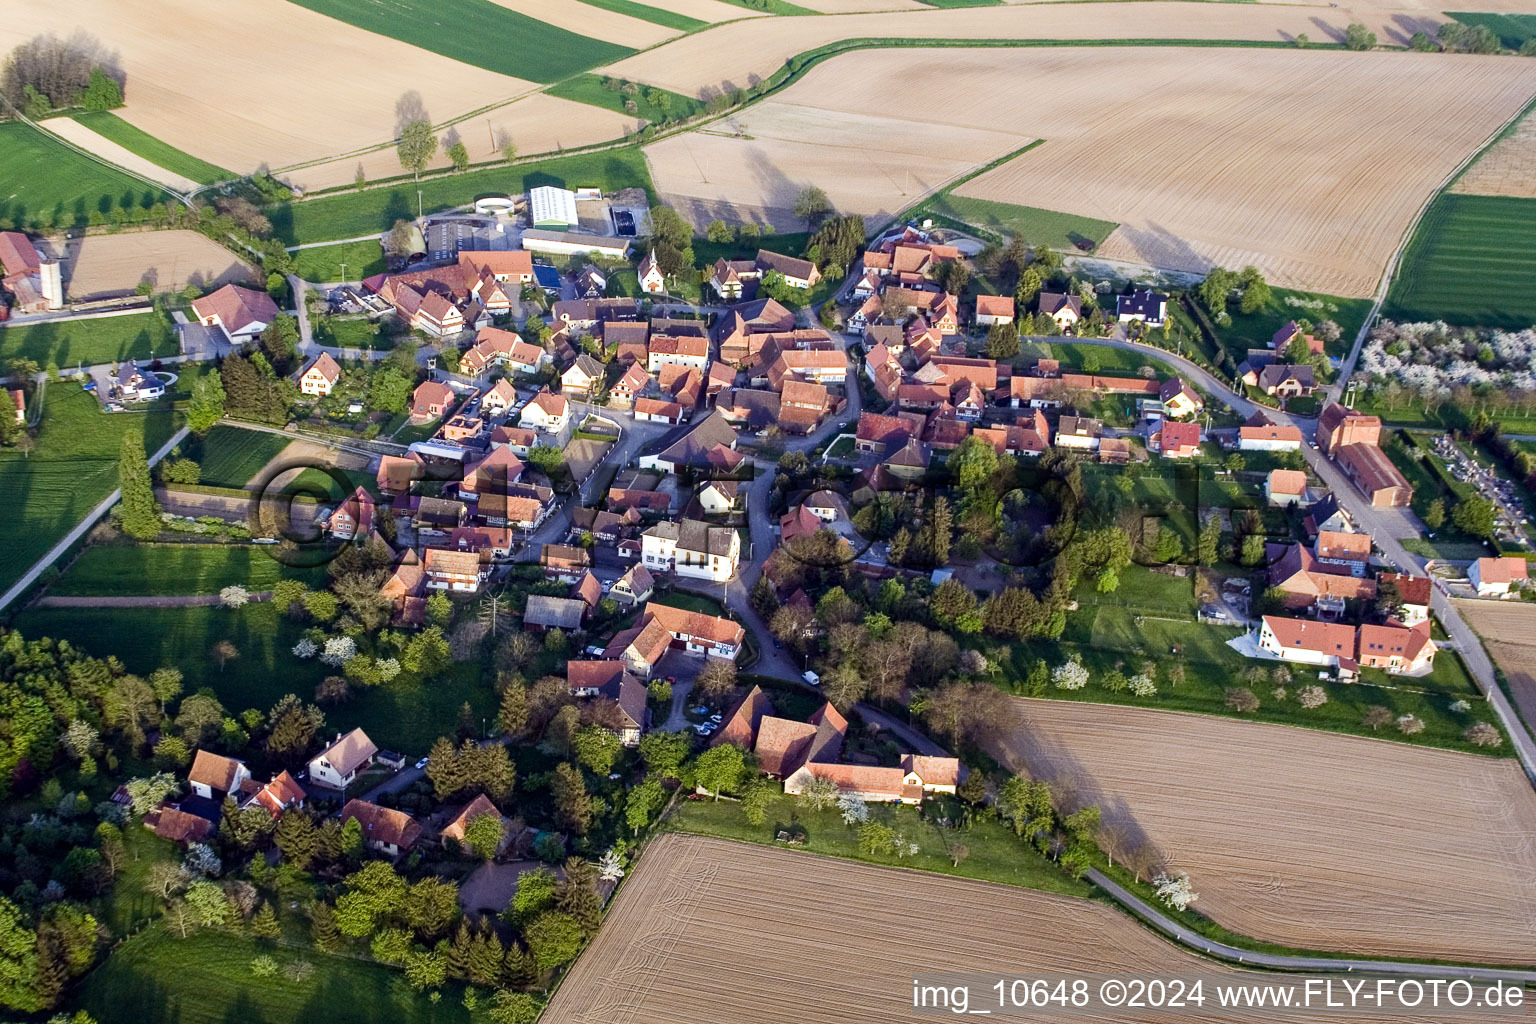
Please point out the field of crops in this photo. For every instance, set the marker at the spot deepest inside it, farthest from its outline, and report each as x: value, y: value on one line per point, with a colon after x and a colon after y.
x: 646, y: 12
x: 175, y: 569
x: 72, y: 470
x: 109, y: 125
x: 477, y: 32
x: 102, y: 340
x: 1472, y: 260
x: 350, y: 214
x: 74, y: 187
x: 1512, y: 29
x: 231, y: 456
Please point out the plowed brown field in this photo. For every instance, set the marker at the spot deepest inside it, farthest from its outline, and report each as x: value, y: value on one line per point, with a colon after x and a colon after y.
x: 1507, y: 169
x: 1508, y: 629
x: 99, y: 266
x: 714, y: 932
x: 1310, y: 839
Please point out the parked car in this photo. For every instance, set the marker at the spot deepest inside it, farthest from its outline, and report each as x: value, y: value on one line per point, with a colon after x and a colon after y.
x: 594, y: 650
x: 716, y: 718
x: 811, y: 677
x: 704, y: 729
x: 423, y: 762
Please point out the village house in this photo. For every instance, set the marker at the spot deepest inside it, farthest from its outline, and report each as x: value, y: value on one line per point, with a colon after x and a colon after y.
x: 692, y: 549
x: 453, y: 570
x: 138, y: 385
x: 1291, y: 332
x: 338, y: 764
x: 1351, y: 552
x: 213, y: 776
x: 545, y: 612
x: 1175, y: 440
x: 1066, y: 310
x: 993, y: 309
x: 1498, y: 577
x: 319, y: 377
x: 1079, y: 432
x: 442, y: 301
x: 1142, y: 304
x: 241, y: 313
x: 1306, y: 584
x: 564, y: 562
x: 546, y: 412
x: 634, y: 587
x: 583, y: 377
x: 667, y: 350
x: 493, y: 347
x: 457, y: 829
x: 662, y: 628
x: 1327, y: 514
x: 498, y: 398
x: 1339, y: 426
x: 1179, y: 400
x: 434, y: 515
x: 797, y: 273
x: 1285, y: 487
x: 629, y: 387
x: 706, y: 444
x: 729, y: 278
x: 613, y: 683
x: 1283, y: 380
x: 353, y: 518
x: 276, y: 796
x: 429, y: 401
x: 933, y: 774
x: 1398, y: 650
x: 397, y: 473
x: 385, y: 830
x: 1305, y: 642
x: 1269, y: 437
x: 1414, y: 593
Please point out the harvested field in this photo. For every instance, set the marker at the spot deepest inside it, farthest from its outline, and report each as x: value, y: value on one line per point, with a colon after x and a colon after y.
x: 1223, y: 184
x: 1306, y: 838
x: 1507, y: 169
x: 73, y: 131
x: 101, y: 266
x: 1508, y: 629
x: 695, y: 936
x: 537, y: 123
x: 868, y: 163
x: 595, y: 22
x: 732, y: 53
x: 227, y: 103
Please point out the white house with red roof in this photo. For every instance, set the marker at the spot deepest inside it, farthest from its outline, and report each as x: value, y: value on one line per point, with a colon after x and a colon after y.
x: 1498, y: 577
x: 241, y: 313
x: 320, y: 376
x: 547, y: 412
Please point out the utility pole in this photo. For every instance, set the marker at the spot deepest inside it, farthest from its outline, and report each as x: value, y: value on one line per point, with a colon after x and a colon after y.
x: 343, y: 274
x: 418, y: 204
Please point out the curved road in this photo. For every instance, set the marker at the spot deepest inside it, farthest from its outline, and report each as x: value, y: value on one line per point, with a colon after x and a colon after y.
x: 1371, y: 521
x: 1248, y: 958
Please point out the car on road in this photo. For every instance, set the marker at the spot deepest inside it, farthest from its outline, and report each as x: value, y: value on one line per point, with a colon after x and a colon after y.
x: 423, y: 762
x: 811, y: 677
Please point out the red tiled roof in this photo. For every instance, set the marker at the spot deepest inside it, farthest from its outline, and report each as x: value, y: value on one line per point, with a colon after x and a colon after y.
x: 382, y: 824
x: 682, y: 622
x: 1502, y: 570
x: 1286, y: 481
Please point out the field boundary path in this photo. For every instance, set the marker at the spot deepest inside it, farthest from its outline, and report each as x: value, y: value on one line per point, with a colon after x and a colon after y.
x: 144, y: 600
x: 57, y: 551
x: 1248, y: 958
x: 1468, y: 645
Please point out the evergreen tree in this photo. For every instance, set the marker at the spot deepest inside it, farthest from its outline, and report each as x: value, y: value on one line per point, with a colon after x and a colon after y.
x: 322, y: 928
x: 512, y: 719
x: 207, y: 405
x: 264, y: 923
x: 445, y: 769
x: 141, y: 516
x: 485, y: 958
x: 297, y: 838
x: 518, y: 968
x: 577, y: 895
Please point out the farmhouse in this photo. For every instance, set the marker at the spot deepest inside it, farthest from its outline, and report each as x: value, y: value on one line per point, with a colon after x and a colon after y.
x: 692, y: 549
x: 442, y: 301
x: 1374, y: 474
x: 708, y: 443
x: 663, y: 627
x: 241, y: 313
x: 452, y: 569
x: 1497, y: 577
x: 1269, y: 437
x: 320, y: 377
x: 385, y: 830
x: 36, y: 282
x: 338, y: 764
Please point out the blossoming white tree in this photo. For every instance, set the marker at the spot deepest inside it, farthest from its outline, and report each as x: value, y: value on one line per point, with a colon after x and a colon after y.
x: 1174, y: 890
x: 234, y: 596
x: 1070, y: 675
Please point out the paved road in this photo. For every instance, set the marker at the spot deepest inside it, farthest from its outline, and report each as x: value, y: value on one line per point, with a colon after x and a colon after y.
x: 916, y: 741
x: 1379, y: 523
x: 396, y: 783
x: 1184, y: 936
x: 55, y: 552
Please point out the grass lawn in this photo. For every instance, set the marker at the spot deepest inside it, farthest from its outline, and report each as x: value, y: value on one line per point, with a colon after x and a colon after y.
x: 996, y: 854
x: 72, y: 470
x: 477, y: 32
x: 231, y: 456
x: 1041, y: 227
x: 1088, y: 358
x: 645, y: 12
x: 589, y: 89
x: 355, y: 333
x: 74, y: 187
x: 176, y: 569
x: 842, y: 448
x: 206, y: 979
x: 405, y: 716
x: 1445, y: 416
x: 1512, y: 29
x: 352, y: 214
x: 792, y: 243
x: 135, y: 140
x: 1253, y: 330
x: 1472, y: 260
x: 108, y: 339
x: 323, y: 264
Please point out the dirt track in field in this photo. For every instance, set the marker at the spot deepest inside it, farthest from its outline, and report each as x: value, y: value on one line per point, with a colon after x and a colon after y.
x: 1310, y: 839
x: 99, y: 266
x: 712, y: 932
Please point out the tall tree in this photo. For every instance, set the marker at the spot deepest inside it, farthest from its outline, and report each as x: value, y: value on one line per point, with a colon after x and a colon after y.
x: 207, y: 404
x: 141, y: 516
x: 416, y: 146
x: 812, y: 206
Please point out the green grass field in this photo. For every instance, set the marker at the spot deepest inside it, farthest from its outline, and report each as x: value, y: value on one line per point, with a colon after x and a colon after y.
x: 1040, y: 227
x: 1472, y: 260
x: 645, y: 12
x: 73, y: 187
x: 1512, y: 29
x: 108, y: 339
x: 477, y: 32
x: 352, y: 214
x: 404, y: 716
x: 206, y: 979
x: 996, y: 854
x: 163, y: 154
x: 72, y: 470
x: 771, y: 6
x: 1253, y: 330
x: 323, y: 264
x: 176, y: 569
x: 589, y: 89
x: 231, y: 456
